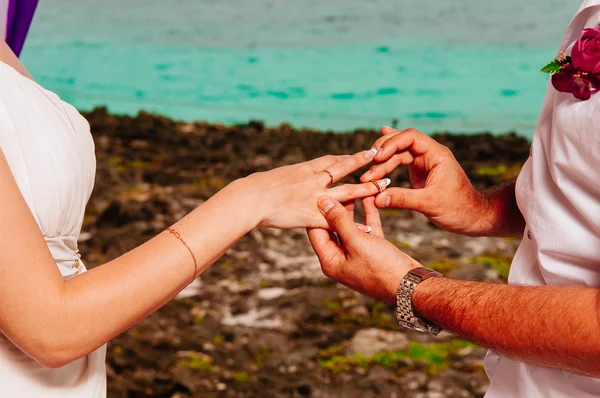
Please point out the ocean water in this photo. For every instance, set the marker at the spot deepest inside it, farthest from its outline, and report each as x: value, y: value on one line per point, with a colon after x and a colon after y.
x: 456, y: 65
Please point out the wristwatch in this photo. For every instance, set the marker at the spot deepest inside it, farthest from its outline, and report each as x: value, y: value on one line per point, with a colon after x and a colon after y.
x: 405, y: 313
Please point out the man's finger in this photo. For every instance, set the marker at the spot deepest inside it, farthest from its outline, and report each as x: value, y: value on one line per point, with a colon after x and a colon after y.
x: 410, y: 140
x: 349, y: 206
x: 386, y: 130
x: 347, y: 192
x: 372, y: 217
x: 338, y: 218
x: 386, y: 134
x: 403, y: 198
x: 327, y: 248
x: 381, y: 170
x: 343, y: 167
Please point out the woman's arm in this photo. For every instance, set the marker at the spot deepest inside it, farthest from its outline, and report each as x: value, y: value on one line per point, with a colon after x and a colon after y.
x: 57, y: 321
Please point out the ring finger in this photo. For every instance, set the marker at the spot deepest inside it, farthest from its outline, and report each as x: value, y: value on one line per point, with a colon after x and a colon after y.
x: 348, y: 192
x: 347, y: 165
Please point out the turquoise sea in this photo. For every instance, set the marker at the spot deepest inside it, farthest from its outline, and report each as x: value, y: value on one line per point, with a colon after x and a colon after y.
x: 457, y: 65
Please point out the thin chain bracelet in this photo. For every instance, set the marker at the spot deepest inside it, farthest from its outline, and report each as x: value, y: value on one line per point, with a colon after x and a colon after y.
x: 178, y: 236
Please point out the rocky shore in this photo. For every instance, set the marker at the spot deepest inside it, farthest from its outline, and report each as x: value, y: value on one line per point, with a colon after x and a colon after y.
x: 263, y: 321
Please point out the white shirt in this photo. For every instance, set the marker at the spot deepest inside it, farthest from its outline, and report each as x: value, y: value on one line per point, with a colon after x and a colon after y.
x: 558, y: 192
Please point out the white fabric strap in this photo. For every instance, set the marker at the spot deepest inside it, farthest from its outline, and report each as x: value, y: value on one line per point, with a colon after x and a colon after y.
x: 63, y: 250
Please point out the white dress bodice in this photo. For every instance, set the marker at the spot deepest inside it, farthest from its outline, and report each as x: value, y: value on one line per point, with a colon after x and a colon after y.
x: 50, y: 151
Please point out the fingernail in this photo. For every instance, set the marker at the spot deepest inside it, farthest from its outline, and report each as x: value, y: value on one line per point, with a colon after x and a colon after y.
x: 370, y: 154
x: 366, y: 175
x: 326, y: 204
x: 383, y: 184
x: 379, y: 152
x: 365, y: 228
x: 386, y: 201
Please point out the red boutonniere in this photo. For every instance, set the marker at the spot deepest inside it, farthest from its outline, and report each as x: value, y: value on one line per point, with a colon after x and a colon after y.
x: 578, y: 74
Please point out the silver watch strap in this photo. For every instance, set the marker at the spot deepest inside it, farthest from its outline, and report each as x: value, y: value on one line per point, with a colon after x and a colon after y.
x: 405, y: 314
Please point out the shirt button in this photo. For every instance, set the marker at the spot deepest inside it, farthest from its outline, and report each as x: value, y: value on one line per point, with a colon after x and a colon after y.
x: 529, y: 234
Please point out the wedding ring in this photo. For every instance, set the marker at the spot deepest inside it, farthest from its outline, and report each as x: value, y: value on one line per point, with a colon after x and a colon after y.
x: 379, y: 187
x: 330, y: 175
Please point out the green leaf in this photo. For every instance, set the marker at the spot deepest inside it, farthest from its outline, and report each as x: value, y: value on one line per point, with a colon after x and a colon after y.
x: 554, y: 67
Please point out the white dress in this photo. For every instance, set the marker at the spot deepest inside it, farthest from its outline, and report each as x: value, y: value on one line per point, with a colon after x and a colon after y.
x: 50, y: 151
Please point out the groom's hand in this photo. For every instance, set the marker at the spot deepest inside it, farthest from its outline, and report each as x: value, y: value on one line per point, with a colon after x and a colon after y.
x: 364, y: 262
x: 442, y: 190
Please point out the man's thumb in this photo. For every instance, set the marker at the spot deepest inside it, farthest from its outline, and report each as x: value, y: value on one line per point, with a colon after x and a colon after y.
x: 403, y: 198
x: 337, y: 216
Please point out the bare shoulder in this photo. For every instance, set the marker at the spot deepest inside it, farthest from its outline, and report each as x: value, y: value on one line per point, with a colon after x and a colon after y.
x: 9, y: 58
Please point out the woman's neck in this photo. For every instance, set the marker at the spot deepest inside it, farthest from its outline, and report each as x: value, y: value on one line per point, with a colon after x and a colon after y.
x: 9, y: 58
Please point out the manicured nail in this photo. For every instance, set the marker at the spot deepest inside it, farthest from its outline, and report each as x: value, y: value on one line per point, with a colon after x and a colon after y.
x: 370, y: 154
x: 364, y: 228
x: 383, y: 184
x: 326, y: 204
x: 366, y: 175
x: 386, y: 201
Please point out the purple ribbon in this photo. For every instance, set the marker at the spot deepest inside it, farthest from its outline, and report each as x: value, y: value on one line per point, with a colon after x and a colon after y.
x: 19, y: 17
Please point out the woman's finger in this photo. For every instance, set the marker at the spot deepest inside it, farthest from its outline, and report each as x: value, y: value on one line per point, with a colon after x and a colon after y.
x: 389, y: 133
x: 347, y: 192
x: 323, y: 162
x: 349, y: 206
x: 341, y: 168
x: 372, y: 217
x: 381, y: 170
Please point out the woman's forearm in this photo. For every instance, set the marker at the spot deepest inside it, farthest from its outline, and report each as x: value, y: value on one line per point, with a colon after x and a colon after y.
x: 109, y: 299
x: 56, y: 321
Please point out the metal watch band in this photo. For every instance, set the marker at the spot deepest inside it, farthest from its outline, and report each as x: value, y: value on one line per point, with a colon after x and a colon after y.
x: 405, y: 314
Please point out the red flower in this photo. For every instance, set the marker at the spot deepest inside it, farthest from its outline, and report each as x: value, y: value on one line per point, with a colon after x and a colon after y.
x: 585, y: 55
x: 581, y: 84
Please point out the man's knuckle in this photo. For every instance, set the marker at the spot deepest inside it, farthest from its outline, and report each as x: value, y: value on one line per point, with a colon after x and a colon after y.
x: 398, y: 200
x: 337, y: 217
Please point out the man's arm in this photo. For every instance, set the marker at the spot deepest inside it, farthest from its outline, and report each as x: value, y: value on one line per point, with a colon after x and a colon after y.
x: 552, y: 326
x: 501, y: 212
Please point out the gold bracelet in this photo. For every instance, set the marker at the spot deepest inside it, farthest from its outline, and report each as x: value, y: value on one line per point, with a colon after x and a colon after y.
x: 178, y: 236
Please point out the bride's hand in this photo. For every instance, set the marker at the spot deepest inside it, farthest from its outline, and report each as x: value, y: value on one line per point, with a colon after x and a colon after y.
x: 287, y: 197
